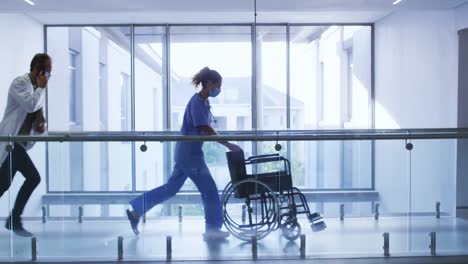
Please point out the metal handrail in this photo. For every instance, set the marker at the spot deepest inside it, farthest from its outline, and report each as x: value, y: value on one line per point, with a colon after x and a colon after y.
x: 264, y: 135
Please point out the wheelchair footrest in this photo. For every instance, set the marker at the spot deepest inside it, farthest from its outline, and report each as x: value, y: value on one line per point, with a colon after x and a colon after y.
x: 314, y: 217
x: 318, y: 226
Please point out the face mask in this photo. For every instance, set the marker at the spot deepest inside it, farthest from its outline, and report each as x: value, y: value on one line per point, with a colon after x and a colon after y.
x: 215, y: 92
x: 48, y: 75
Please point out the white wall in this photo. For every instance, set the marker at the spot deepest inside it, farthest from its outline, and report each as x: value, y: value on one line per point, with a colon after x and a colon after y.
x: 19, y: 44
x: 461, y: 17
x: 416, y: 87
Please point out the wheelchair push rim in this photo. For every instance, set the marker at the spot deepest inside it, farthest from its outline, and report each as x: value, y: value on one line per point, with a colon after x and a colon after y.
x: 261, y: 214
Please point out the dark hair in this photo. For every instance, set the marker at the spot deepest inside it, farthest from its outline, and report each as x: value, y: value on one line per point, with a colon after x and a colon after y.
x: 40, y: 59
x: 205, y: 75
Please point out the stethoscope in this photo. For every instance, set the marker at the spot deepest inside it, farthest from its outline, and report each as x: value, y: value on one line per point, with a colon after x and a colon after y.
x: 212, y: 117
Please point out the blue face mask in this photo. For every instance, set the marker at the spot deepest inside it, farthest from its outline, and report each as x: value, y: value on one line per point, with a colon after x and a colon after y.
x: 215, y: 92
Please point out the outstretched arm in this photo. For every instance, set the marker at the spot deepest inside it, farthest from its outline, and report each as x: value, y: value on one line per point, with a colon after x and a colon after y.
x: 210, y: 131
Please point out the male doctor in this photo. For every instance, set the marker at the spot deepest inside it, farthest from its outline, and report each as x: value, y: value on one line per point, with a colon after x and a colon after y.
x: 23, y: 116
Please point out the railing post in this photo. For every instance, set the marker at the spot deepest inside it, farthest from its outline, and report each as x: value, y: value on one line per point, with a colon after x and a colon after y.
x: 80, y: 214
x: 44, y: 214
x: 432, y: 246
x: 303, y: 245
x: 341, y: 212
x: 33, y: 248
x: 168, y: 248
x: 377, y: 211
x: 254, y: 248
x: 386, y: 246
x: 179, y: 207
x: 120, y: 248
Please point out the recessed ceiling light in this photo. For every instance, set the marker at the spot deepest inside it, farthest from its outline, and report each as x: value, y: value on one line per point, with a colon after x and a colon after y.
x: 29, y: 2
x: 395, y: 3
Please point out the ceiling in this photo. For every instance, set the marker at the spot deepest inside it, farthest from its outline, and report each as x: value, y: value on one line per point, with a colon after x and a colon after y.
x: 209, y: 11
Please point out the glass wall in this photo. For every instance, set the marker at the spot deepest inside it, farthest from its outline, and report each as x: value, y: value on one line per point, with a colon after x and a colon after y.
x: 91, y: 91
x: 414, y: 196
x: 306, y: 78
x: 228, y: 50
x: 150, y: 89
x: 331, y: 86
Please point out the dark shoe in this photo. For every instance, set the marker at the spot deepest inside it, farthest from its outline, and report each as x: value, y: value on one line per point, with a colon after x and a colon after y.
x: 215, y: 234
x: 17, y: 227
x: 133, y: 222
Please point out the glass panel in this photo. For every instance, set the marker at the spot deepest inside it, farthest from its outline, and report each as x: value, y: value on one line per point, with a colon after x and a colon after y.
x: 94, y: 62
x: 332, y: 164
x: 90, y: 166
x: 149, y: 114
x: 228, y: 50
x: 330, y: 89
x: 433, y: 181
x: 6, y: 205
x: 392, y: 182
x: 271, y: 78
x: 330, y: 76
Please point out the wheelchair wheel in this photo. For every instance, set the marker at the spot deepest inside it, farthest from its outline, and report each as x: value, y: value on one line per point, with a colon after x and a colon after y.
x: 261, y: 210
x: 291, y: 229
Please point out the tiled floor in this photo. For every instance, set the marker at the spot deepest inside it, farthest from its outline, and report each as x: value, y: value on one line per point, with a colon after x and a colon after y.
x: 352, y: 238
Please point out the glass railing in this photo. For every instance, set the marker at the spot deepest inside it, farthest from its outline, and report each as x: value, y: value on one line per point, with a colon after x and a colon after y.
x: 294, y: 194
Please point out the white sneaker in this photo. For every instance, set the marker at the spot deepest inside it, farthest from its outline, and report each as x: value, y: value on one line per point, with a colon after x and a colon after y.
x: 215, y: 234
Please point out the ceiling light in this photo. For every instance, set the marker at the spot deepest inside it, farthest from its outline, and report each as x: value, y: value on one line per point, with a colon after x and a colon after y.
x: 29, y: 2
x: 395, y: 3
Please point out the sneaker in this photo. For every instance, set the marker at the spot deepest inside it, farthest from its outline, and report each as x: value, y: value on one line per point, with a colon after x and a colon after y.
x: 133, y: 222
x: 215, y: 234
x: 17, y: 227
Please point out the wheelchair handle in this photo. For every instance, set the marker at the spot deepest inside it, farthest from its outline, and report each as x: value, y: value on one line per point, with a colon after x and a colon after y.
x: 262, y: 156
x: 265, y: 160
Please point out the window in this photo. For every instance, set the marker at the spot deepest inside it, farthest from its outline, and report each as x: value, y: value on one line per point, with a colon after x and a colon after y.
x: 349, y: 84
x: 125, y: 102
x: 329, y: 81
x: 72, y: 66
x: 103, y: 96
x: 227, y: 49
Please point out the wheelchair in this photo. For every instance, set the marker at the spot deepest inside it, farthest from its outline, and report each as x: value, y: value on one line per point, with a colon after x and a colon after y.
x: 263, y: 199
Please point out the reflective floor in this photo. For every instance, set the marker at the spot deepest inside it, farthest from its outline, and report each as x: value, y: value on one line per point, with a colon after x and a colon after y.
x: 353, y: 237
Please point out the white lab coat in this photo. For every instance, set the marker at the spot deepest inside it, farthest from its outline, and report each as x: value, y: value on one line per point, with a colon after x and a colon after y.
x: 22, y: 99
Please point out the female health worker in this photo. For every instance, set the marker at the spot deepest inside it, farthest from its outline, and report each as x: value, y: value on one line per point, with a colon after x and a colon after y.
x: 190, y: 162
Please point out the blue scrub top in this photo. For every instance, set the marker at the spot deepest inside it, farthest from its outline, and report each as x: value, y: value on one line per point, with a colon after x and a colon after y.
x: 197, y: 113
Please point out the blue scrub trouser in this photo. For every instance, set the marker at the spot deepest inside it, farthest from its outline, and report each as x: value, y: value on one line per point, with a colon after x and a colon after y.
x: 201, y: 176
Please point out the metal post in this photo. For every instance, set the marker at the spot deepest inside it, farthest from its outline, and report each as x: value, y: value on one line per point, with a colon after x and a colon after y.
x: 144, y: 218
x: 33, y: 249
x: 179, y: 207
x: 432, y: 246
x: 120, y: 248
x: 386, y: 246
x: 377, y: 211
x: 437, y: 209
x: 244, y: 212
x: 341, y: 212
x: 80, y: 214
x: 168, y: 248
x: 44, y: 214
x: 303, y: 244
x: 254, y: 248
